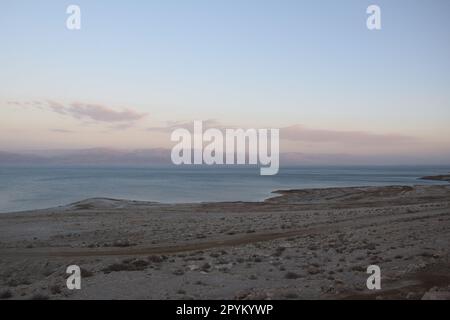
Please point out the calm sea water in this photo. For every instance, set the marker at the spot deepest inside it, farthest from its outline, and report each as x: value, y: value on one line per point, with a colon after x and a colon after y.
x: 38, y: 187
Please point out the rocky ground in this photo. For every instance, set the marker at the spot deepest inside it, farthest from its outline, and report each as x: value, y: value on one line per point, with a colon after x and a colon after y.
x: 299, y: 244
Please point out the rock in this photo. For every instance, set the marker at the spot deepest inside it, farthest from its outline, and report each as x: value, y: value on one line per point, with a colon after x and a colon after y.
x: 436, y: 294
x: 410, y: 295
x: 193, y: 267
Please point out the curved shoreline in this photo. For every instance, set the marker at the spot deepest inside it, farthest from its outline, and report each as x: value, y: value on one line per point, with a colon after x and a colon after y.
x: 109, y: 203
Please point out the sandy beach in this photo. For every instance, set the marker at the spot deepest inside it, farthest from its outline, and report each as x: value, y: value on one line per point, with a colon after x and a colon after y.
x: 298, y: 244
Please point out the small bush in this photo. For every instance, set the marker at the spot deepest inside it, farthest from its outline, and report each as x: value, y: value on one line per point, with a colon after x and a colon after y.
x: 178, y: 272
x: 5, y: 294
x: 55, y: 289
x: 155, y: 259
x: 86, y: 273
x: 137, y: 265
x: 39, y: 296
x: 291, y: 295
x: 291, y: 275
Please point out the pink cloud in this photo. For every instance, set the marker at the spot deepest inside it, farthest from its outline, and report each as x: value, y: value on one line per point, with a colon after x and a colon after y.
x: 172, y: 125
x: 102, y: 113
x: 86, y: 111
x: 302, y: 133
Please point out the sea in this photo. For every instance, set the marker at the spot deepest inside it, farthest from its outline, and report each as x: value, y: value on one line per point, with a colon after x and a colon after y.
x: 27, y: 188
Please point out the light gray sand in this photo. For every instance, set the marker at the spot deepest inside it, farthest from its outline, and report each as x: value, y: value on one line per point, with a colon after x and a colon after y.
x: 300, y: 244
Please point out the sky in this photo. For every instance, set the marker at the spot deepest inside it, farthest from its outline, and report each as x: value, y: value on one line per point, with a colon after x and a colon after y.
x: 310, y: 68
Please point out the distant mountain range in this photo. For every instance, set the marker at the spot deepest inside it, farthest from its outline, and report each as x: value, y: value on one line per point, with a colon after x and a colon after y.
x: 97, y: 156
x: 160, y: 156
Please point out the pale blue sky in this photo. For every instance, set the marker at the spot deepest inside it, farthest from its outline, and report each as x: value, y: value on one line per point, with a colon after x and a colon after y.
x: 267, y: 62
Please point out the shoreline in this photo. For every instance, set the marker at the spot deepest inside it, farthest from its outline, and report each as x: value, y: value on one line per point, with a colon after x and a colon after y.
x: 272, y: 194
x: 298, y: 244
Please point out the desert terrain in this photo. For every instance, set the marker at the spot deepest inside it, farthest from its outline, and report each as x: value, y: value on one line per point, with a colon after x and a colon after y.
x: 298, y: 244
